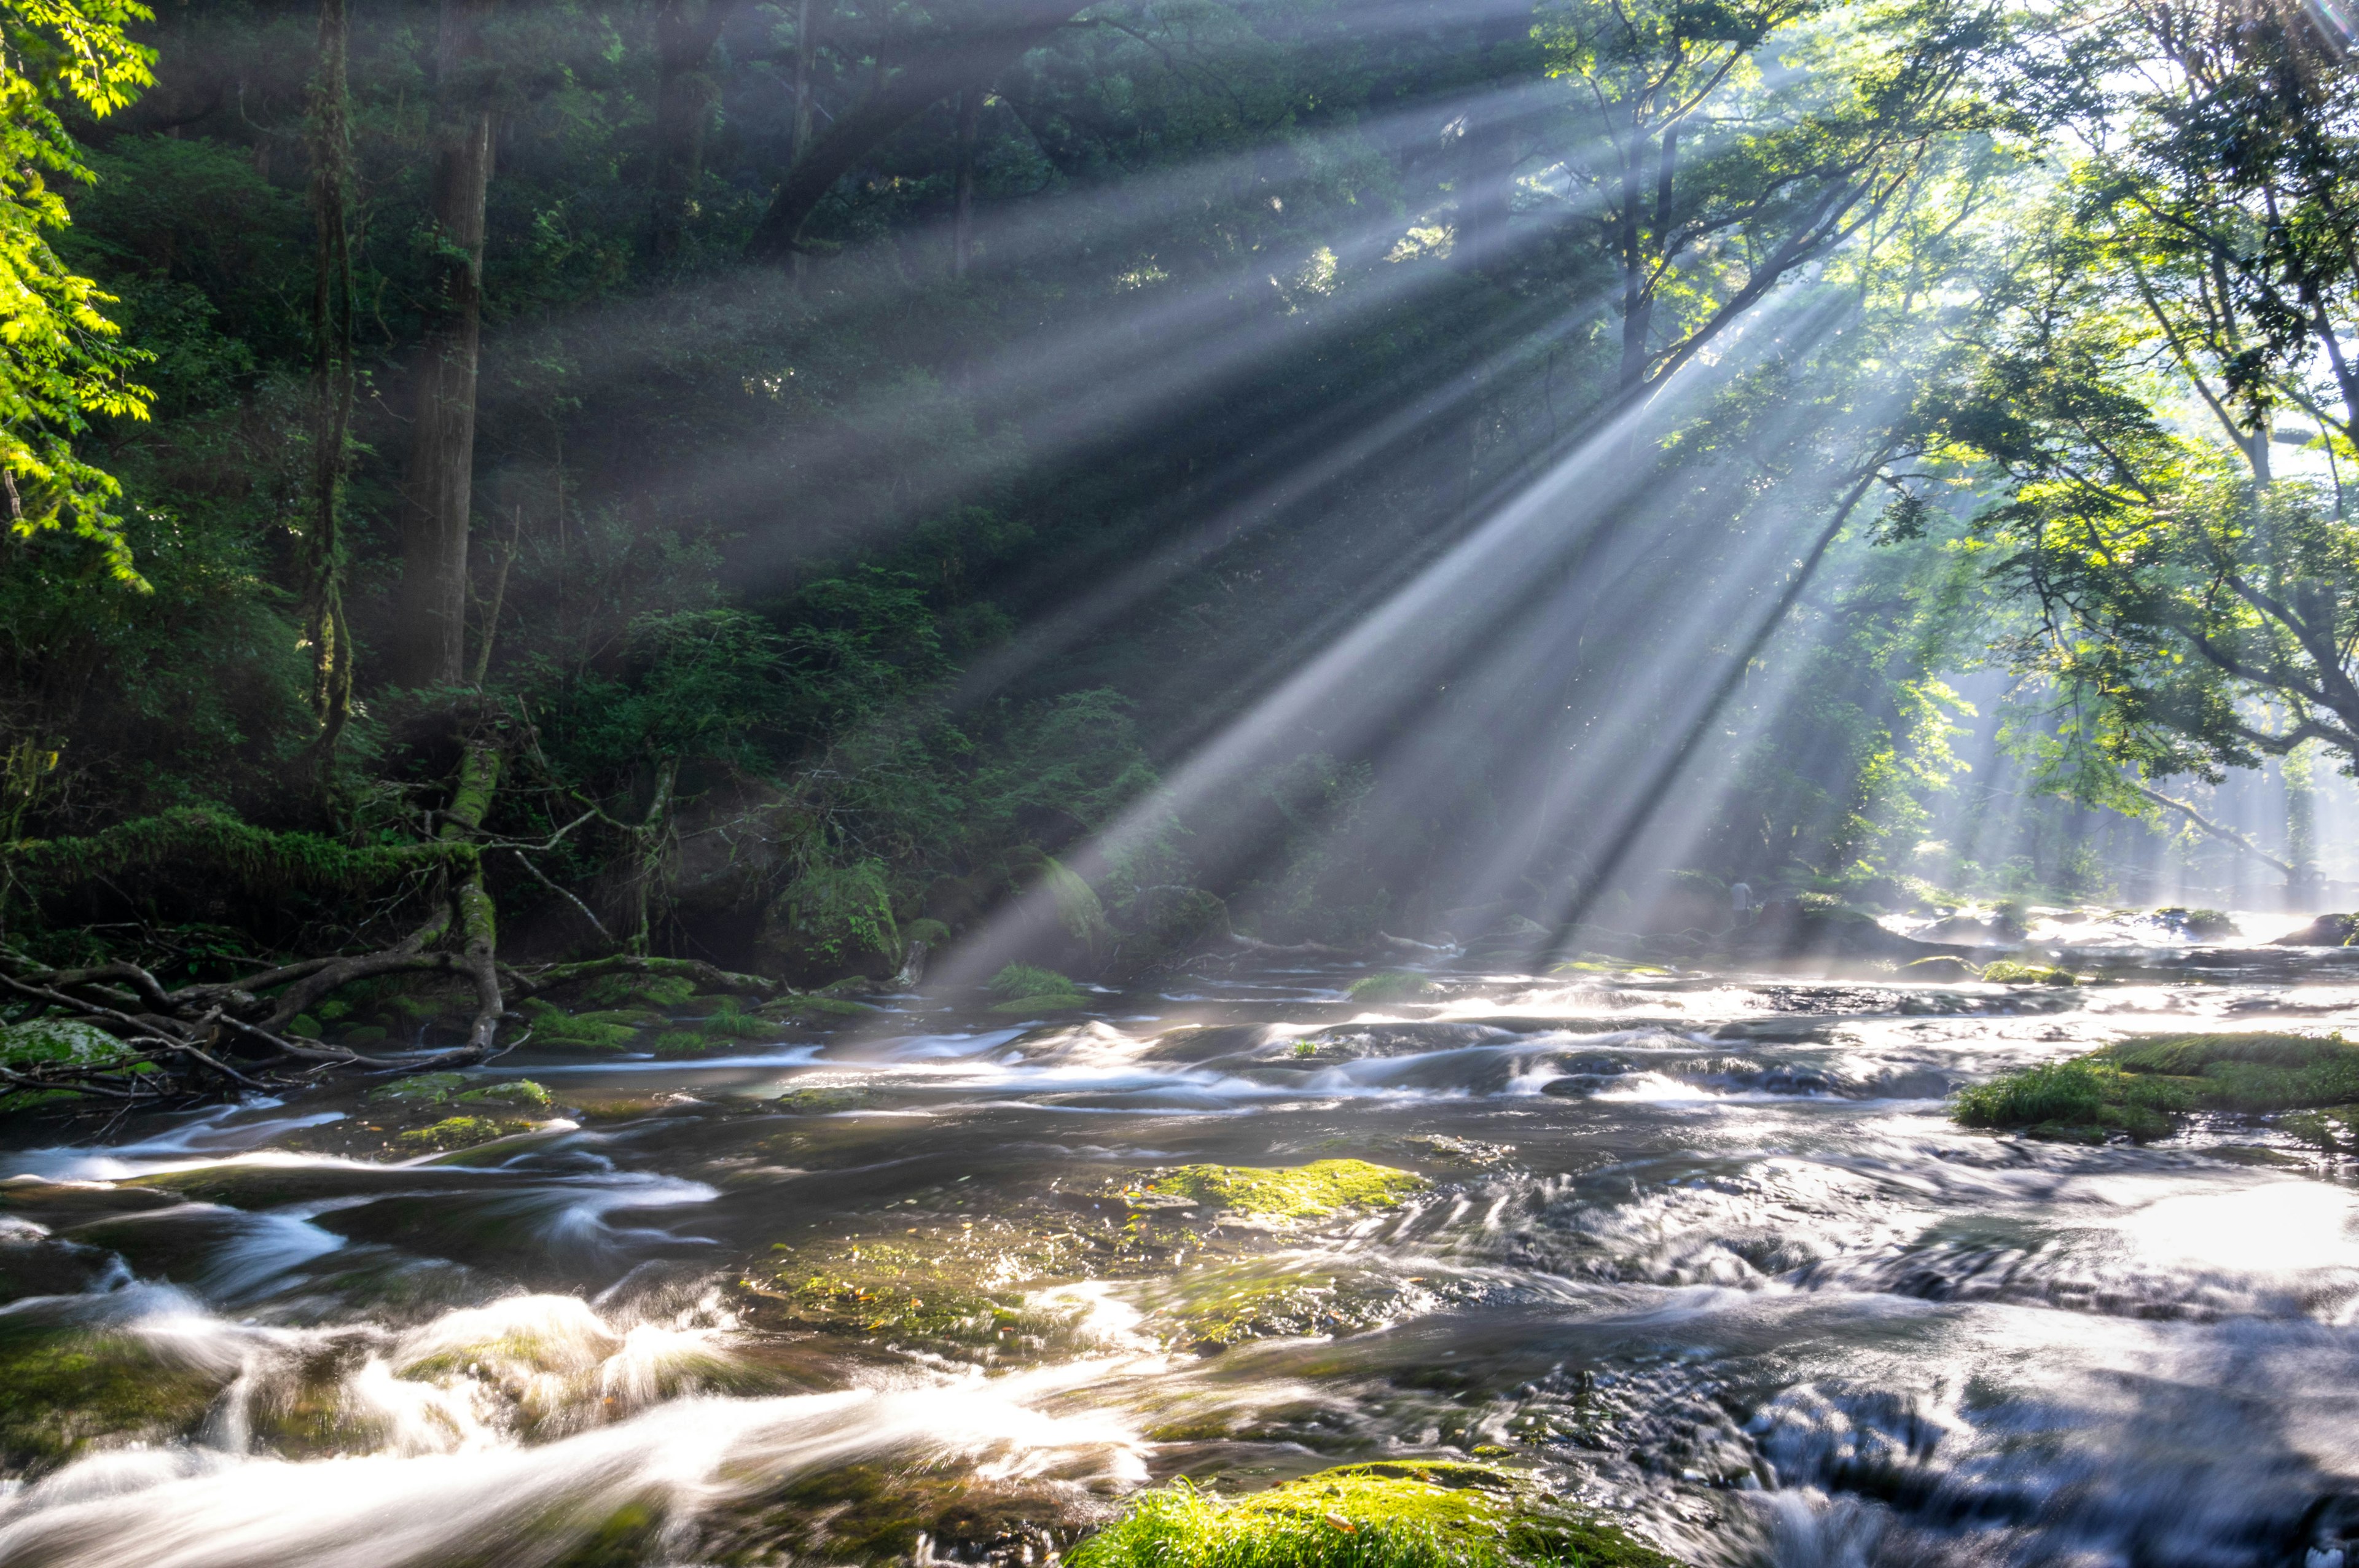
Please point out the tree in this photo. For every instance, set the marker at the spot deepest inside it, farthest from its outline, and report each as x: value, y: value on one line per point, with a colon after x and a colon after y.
x: 912, y: 73
x: 1710, y: 174
x: 686, y: 31
x: 439, y: 489
x: 2196, y: 606
x: 59, y: 360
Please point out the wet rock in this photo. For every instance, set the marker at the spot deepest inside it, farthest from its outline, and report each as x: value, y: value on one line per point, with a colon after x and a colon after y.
x: 1965, y: 931
x: 1402, y: 1513
x: 1288, y: 1192
x: 2326, y: 931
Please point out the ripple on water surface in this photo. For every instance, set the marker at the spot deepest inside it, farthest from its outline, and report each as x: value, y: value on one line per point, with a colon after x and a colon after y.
x: 1704, y: 1252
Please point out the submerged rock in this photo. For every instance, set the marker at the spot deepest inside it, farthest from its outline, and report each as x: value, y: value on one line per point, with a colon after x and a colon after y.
x: 1294, y: 1191
x: 1399, y: 1513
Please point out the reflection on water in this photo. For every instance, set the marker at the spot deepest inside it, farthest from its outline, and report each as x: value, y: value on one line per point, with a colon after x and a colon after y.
x: 1704, y: 1250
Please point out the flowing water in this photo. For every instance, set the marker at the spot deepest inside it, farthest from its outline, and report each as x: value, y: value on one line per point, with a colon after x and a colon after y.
x: 1703, y: 1247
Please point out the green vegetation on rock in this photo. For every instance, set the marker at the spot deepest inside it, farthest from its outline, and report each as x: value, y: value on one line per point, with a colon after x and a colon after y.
x: 2007, y: 972
x: 1291, y: 1192
x: 425, y: 1088
x: 465, y: 1131
x: 1026, y: 989
x: 2136, y: 1086
x: 1392, y: 1514
x: 1389, y: 985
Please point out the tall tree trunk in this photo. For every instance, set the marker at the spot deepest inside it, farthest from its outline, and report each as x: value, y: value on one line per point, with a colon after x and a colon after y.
x: 441, y: 482
x: 806, y: 47
x: 970, y: 121
x: 1638, y: 293
x: 333, y: 384
x: 685, y: 97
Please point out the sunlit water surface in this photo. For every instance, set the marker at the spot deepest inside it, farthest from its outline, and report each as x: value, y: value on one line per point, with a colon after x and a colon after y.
x: 1703, y: 1249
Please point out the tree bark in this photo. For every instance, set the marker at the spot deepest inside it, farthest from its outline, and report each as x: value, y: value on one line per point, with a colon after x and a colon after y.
x: 440, y: 482
x: 686, y: 31
x: 332, y: 385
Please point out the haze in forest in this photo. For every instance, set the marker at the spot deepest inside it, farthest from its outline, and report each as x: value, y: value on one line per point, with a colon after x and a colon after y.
x: 824, y: 489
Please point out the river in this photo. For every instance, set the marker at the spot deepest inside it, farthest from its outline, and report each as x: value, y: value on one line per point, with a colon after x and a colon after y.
x: 1703, y: 1247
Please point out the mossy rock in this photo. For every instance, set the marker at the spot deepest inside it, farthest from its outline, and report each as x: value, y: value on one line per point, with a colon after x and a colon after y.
x: 728, y: 1021
x: 63, y: 1390
x: 624, y: 989
x: 617, y: 1031
x: 365, y: 1034
x: 465, y: 1131
x: 1392, y: 1514
x: 1212, y: 1309
x: 1389, y: 985
x: 425, y: 1088
x: 2007, y: 972
x: 812, y: 1009
x: 678, y: 1043
x: 1290, y: 1192
x: 2138, y: 1087
x: 52, y: 1041
x: 517, y: 1091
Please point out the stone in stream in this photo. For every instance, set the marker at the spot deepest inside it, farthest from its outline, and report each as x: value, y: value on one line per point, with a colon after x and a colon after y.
x: 2326, y: 931
x: 1401, y: 1513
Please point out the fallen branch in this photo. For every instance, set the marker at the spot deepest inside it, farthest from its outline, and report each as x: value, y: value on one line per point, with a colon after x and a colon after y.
x: 2225, y: 834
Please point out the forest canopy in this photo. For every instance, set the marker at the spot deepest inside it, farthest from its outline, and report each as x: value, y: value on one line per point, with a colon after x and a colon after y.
x: 802, y: 489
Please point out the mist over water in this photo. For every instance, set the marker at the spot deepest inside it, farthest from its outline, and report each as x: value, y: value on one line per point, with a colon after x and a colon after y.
x: 1703, y: 1247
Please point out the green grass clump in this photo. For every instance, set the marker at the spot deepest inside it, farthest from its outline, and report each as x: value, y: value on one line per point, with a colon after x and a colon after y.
x: 1389, y: 985
x: 587, y: 1031
x: 2082, y: 1100
x: 1395, y: 1514
x: 2137, y: 1086
x: 2007, y: 972
x: 731, y: 1022
x: 1294, y: 1191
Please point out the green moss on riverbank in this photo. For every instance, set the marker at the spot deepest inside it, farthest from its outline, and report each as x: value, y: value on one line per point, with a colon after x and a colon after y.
x: 2136, y: 1088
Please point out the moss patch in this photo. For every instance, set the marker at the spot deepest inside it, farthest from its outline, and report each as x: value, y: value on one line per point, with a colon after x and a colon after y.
x: 1294, y: 1191
x: 464, y: 1131
x: 519, y: 1091
x: 1023, y: 988
x: 1388, y: 1515
x: 2007, y: 972
x: 1389, y: 985
x: 64, y: 1390
x: 2137, y: 1086
x: 426, y: 1089
x: 587, y: 1031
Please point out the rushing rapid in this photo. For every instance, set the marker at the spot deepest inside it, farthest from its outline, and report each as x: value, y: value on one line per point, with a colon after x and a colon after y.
x: 1706, y: 1249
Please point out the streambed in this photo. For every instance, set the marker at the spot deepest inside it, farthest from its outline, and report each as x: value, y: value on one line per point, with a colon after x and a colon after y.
x: 1702, y: 1248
